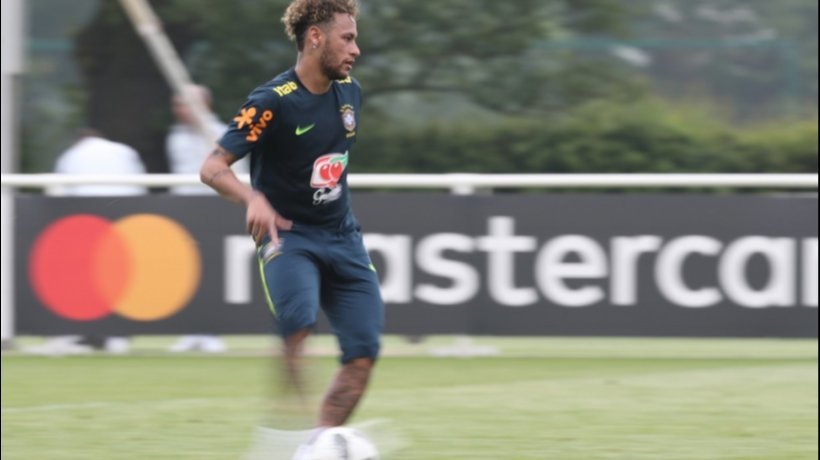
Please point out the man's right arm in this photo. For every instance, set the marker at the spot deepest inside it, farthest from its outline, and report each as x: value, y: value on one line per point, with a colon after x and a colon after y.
x: 261, y: 219
x: 216, y: 173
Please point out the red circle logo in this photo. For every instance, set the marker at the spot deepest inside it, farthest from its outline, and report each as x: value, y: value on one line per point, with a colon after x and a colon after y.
x: 144, y: 267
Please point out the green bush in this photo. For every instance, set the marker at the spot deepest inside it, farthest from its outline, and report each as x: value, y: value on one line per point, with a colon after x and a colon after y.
x: 648, y: 136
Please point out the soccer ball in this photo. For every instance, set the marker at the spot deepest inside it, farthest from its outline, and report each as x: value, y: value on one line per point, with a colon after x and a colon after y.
x: 343, y: 443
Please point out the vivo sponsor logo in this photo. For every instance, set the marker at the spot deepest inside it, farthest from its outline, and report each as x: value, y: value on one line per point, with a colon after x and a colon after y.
x: 575, y: 270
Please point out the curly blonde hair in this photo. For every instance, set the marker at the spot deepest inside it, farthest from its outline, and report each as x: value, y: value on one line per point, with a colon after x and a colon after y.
x: 302, y: 14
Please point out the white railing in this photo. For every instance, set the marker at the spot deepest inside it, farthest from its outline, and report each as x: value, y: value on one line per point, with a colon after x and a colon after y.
x: 461, y: 184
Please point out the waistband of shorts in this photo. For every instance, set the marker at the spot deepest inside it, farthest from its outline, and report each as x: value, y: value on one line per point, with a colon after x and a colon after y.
x: 347, y: 224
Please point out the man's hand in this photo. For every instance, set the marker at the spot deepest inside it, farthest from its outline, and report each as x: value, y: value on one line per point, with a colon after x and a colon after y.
x: 262, y: 220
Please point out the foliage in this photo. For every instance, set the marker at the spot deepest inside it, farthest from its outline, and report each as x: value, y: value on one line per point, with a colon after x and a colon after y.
x: 646, y: 136
x: 482, y: 49
x: 455, y: 85
x: 756, y: 57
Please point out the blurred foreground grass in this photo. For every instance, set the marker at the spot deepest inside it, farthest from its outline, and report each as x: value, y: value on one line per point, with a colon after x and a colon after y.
x: 523, y: 398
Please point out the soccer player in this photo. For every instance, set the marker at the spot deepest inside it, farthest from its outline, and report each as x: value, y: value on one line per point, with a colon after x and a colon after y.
x: 299, y: 130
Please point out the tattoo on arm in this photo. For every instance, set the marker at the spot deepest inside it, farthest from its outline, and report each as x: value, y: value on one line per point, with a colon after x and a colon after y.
x: 217, y: 175
x: 223, y: 154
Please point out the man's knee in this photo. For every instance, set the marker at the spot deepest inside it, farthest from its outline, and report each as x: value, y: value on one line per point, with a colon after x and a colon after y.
x: 362, y: 352
x: 361, y: 363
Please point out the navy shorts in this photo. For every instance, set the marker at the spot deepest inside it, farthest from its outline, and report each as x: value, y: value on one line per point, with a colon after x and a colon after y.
x: 329, y: 268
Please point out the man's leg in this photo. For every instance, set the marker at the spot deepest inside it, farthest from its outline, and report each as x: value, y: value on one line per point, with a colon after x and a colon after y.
x: 293, y: 364
x: 345, y: 392
x: 353, y: 304
x: 291, y: 283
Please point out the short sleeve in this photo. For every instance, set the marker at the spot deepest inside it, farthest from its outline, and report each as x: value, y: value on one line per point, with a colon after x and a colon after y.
x: 251, y: 123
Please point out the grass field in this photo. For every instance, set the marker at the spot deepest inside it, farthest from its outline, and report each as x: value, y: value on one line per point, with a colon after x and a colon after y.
x: 568, y: 399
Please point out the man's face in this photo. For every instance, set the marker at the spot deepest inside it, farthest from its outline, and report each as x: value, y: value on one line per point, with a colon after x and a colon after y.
x: 340, y: 50
x: 181, y: 111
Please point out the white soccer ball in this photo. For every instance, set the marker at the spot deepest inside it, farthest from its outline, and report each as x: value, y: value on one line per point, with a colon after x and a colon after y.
x: 343, y: 443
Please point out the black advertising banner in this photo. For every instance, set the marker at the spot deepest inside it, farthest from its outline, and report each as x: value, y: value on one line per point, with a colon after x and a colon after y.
x: 539, y: 264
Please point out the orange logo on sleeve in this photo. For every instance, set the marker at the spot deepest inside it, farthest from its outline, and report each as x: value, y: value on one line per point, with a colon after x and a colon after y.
x: 245, y: 117
x: 260, y: 126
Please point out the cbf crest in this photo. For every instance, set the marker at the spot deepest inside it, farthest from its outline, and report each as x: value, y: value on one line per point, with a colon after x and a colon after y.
x: 349, y: 119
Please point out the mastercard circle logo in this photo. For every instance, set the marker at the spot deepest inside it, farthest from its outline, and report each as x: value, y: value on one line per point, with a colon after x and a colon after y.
x: 144, y: 267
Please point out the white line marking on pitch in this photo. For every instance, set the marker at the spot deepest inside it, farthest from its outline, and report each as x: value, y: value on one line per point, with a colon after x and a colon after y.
x: 106, y: 405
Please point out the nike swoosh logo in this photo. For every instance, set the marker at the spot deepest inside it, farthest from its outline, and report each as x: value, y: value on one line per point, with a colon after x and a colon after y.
x: 300, y: 130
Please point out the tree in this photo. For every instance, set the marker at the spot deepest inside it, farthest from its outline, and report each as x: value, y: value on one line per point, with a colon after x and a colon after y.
x: 485, y: 60
x: 480, y: 49
x: 127, y: 97
x: 755, y: 58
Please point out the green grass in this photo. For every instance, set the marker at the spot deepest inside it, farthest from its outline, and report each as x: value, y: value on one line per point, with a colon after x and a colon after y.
x: 568, y: 399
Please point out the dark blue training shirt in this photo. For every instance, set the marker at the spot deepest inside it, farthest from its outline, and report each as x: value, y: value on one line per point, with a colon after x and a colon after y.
x: 299, y: 144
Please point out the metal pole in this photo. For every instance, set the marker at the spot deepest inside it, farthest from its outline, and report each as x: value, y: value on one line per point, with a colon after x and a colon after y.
x: 12, y: 65
x: 149, y: 27
x: 7, y: 203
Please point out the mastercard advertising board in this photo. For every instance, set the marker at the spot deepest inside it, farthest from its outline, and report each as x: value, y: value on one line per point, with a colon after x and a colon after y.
x: 534, y: 264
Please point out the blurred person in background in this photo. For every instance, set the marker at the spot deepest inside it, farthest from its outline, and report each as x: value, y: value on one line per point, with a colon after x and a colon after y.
x: 187, y: 147
x: 299, y: 130
x: 94, y: 154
